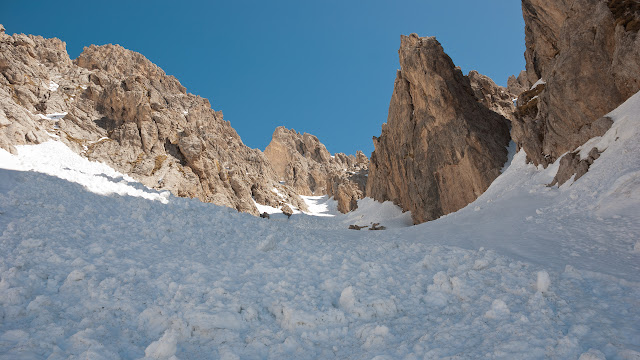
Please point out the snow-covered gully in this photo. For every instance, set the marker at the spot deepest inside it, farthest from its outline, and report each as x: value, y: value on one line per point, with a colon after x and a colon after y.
x: 96, y: 266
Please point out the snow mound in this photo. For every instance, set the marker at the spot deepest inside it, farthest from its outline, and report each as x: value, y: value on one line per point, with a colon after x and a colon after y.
x: 543, y: 282
x: 370, y: 211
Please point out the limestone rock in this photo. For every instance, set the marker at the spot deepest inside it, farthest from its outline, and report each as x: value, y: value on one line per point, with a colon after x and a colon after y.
x: 572, y: 165
x: 303, y: 162
x: 286, y: 209
x: 588, y: 53
x: 518, y: 85
x: 115, y: 106
x: 492, y: 96
x: 377, y: 226
x: 357, y: 227
x: 440, y: 148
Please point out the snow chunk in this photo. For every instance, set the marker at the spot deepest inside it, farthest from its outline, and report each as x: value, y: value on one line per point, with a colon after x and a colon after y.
x: 268, y: 244
x: 373, y: 336
x: 14, y: 336
x: 498, y: 309
x: 164, y: 348
x: 205, y: 322
x: 543, y: 282
x: 347, y: 298
x: 593, y: 354
x: 368, y: 309
x: 75, y: 275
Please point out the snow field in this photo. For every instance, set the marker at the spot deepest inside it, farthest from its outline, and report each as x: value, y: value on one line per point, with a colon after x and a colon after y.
x: 86, y: 275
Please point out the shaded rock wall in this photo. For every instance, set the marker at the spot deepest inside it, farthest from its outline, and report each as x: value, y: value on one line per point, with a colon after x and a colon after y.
x: 588, y: 53
x: 440, y: 148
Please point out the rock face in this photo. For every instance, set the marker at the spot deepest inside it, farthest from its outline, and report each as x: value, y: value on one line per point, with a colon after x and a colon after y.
x: 572, y: 165
x: 588, y: 53
x: 440, y: 148
x: 518, y: 85
x: 492, y: 96
x: 303, y: 162
x: 115, y: 106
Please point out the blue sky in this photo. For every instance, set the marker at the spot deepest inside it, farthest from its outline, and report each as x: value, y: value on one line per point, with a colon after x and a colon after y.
x: 323, y: 67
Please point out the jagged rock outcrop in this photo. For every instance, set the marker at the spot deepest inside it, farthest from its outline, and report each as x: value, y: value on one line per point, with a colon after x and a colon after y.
x: 588, y: 53
x: 518, y: 85
x: 115, y: 106
x: 492, y: 96
x: 573, y: 165
x: 303, y: 162
x: 440, y: 148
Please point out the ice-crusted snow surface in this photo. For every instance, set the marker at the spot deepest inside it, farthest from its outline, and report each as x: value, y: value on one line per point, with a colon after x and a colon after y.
x: 525, y: 272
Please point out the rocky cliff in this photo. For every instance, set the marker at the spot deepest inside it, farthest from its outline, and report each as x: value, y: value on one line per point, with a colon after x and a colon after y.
x: 441, y: 147
x: 115, y: 106
x: 303, y: 162
x: 584, y: 56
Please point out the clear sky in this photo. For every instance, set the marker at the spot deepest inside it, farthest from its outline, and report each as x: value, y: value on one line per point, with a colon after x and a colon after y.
x: 324, y: 67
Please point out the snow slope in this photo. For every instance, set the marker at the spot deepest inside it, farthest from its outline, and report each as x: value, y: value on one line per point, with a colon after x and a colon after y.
x: 89, y: 270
